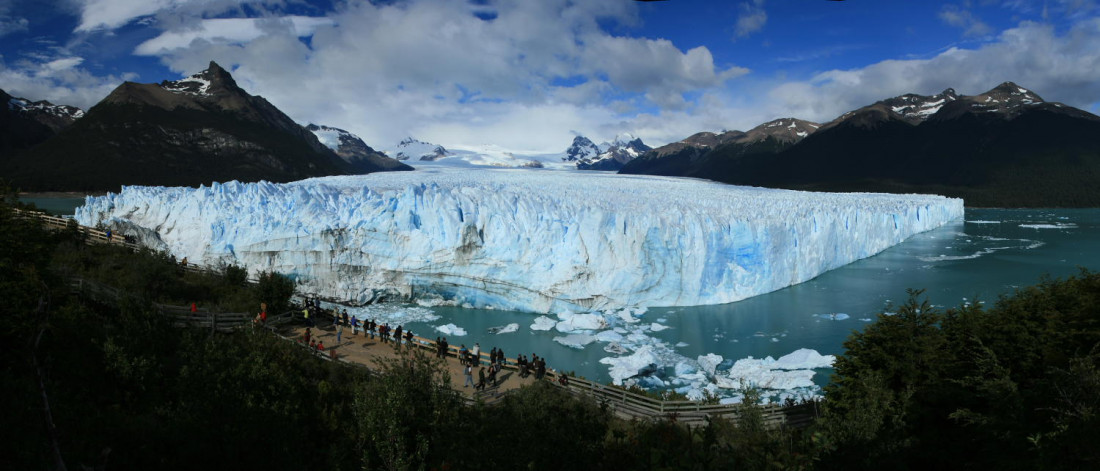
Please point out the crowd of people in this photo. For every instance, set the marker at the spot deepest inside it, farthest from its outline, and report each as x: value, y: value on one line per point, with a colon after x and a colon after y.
x: 470, y: 358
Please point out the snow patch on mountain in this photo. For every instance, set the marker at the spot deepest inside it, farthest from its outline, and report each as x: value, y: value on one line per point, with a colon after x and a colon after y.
x: 71, y: 113
x: 416, y: 150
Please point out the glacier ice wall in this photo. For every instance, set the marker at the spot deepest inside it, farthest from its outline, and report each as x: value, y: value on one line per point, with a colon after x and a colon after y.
x: 540, y: 241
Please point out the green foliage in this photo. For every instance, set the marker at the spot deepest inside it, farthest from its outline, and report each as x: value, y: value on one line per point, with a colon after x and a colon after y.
x: 1013, y: 386
x: 235, y: 275
x: 406, y: 415
x: 275, y: 289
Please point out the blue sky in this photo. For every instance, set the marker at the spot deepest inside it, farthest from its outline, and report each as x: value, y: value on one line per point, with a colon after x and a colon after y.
x: 527, y: 75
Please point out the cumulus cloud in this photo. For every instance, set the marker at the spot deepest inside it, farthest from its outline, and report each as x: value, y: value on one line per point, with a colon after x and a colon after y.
x: 1058, y: 67
x: 440, y: 71
x: 59, y: 80
x: 106, y: 15
x: 228, y: 30
x: 752, y: 18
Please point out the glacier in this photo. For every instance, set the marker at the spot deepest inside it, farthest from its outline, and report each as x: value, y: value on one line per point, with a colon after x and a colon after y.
x: 541, y: 241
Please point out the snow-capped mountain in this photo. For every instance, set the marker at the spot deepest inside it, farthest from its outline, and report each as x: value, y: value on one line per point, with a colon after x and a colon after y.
x: 1005, y: 147
x: 614, y: 155
x: 200, y: 129
x: 784, y: 130
x: 679, y: 158
x: 54, y: 116
x: 351, y: 148
x: 582, y: 148
x: 417, y: 150
x: 25, y: 123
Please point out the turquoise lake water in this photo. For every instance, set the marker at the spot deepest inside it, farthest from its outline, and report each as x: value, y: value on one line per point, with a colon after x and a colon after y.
x: 990, y: 253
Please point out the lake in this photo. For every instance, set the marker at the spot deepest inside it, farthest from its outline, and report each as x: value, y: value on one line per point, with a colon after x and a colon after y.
x: 990, y: 253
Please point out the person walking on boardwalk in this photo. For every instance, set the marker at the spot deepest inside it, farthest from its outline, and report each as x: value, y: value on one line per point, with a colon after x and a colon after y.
x: 397, y: 337
x: 480, y: 378
x: 493, y: 374
x: 469, y: 372
x: 339, y: 332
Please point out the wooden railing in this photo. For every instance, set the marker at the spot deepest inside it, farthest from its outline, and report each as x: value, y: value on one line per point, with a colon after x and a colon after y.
x: 180, y: 315
x: 629, y: 404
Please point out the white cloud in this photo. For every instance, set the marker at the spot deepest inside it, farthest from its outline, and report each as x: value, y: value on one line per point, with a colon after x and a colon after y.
x: 965, y: 19
x: 59, y: 80
x: 106, y: 15
x: 1063, y: 68
x: 752, y: 18
x: 9, y: 25
x: 436, y: 71
x: 229, y: 30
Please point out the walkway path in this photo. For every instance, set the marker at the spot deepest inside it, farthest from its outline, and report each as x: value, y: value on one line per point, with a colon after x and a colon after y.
x: 370, y: 353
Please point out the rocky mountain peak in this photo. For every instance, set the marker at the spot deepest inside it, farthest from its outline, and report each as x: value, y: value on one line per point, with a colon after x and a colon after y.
x: 785, y: 130
x: 414, y: 149
x: 581, y: 148
x: 52, y: 116
x: 210, y: 82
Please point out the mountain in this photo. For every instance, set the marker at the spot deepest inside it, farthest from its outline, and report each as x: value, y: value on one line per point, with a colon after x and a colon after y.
x: 24, y: 123
x: 685, y: 157
x: 623, y: 149
x: 415, y: 150
x: 582, y: 148
x: 1006, y: 147
x: 353, y: 150
x: 198, y: 130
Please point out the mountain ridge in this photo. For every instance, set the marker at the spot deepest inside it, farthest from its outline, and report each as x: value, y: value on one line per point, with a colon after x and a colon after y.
x: 196, y: 130
x: 1005, y: 147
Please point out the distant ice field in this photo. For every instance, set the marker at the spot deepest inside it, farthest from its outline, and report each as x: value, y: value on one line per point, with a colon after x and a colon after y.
x: 530, y: 240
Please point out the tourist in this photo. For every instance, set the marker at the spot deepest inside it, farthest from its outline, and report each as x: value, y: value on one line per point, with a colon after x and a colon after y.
x: 354, y: 325
x: 339, y: 332
x: 540, y: 368
x: 109, y: 236
x: 462, y: 352
x: 469, y: 372
x: 409, y: 338
x: 313, y: 345
x: 306, y: 336
x: 397, y: 336
x: 344, y: 316
x: 480, y: 378
x: 321, y: 346
x: 500, y: 357
x: 493, y: 375
x: 476, y: 353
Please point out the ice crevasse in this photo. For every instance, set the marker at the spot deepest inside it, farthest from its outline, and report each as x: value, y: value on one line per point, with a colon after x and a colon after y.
x: 529, y: 240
